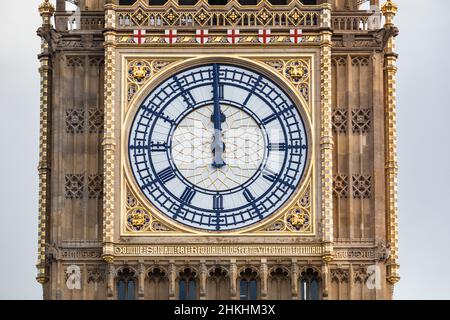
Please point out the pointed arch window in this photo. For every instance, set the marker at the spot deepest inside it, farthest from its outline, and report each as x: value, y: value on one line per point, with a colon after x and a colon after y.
x: 310, y: 285
x: 248, y: 286
x: 187, y: 285
x: 126, y: 284
x: 279, y: 284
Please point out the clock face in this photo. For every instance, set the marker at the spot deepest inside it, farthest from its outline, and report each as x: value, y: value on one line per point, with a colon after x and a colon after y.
x: 218, y: 147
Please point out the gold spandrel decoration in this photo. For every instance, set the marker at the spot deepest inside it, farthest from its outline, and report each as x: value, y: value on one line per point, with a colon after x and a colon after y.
x: 140, y: 71
x: 297, y: 219
x: 139, y: 219
x: 297, y: 71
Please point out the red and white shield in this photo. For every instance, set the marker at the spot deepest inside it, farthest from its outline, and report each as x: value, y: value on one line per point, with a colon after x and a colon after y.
x: 139, y: 36
x: 264, y: 36
x: 170, y: 36
x: 296, y: 35
x: 202, y: 36
x: 233, y: 36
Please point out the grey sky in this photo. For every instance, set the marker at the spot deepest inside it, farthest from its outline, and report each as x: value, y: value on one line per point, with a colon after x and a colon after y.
x: 424, y: 153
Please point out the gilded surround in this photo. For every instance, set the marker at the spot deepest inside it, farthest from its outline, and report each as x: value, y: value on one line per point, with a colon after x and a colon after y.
x: 334, y: 60
x: 298, y: 73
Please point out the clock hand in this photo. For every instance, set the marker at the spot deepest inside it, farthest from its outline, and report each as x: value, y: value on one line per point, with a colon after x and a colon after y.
x: 217, y: 146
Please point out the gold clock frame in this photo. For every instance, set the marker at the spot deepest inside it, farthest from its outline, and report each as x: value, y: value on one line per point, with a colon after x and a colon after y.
x: 272, y: 225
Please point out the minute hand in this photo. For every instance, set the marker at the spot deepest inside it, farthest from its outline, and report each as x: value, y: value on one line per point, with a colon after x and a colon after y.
x: 217, y: 146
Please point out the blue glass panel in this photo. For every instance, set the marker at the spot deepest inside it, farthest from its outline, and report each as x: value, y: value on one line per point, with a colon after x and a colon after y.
x: 314, y: 290
x: 244, y: 290
x: 182, y: 290
x: 121, y: 290
x: 253, y: 290
x: 131, y: 290
x: 192, y: 292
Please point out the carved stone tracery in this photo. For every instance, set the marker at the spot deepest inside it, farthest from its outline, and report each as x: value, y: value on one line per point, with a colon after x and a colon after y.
x: 296, y: 71
x: 340, y: 186
x: 362, y: 186
x: 140, y: 219
x: 74, y: 186
x: 361, y: 120
x: 75, y: 121
x: 340, y: 120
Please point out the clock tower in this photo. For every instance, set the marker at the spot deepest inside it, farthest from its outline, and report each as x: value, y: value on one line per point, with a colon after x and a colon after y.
x: 218, y: 150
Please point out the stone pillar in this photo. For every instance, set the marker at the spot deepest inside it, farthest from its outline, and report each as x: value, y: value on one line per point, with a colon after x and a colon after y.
x: 141, y: 281
x: 203, y: 276
x: 389, y: 10
x: 325, y: 282
x: 351, y: 280
x: 233, y: 280
x: 294, y: 280
x: 109, y: 143
x: 110, y: 281
x: 326, y: 135
x: 46, y: 10
x: 172, y: 280
x: 264, y: 277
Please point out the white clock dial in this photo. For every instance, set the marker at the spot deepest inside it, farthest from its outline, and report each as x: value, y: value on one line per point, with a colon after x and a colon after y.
x: 245, y: 148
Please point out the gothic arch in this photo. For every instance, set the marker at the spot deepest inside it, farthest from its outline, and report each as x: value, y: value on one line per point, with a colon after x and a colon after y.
x: 188, y: 286
x: 339, y: 283
x: 126, y: 279
x: 124, y: 270
x: 279, y: 283
x: 157, y: 283
x: 249, y: 283
x: 218, y: 284
x: 310, y: 283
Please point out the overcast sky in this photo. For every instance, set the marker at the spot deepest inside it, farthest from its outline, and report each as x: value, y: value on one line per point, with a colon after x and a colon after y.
x: 424, y: 153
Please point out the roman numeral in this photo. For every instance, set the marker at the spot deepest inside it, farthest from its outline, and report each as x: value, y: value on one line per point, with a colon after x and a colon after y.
x: 188, y: 195
x: 221, y: 92
x: 158, y: 146
x: 277, y: 147
x: 248, y: 195
x: 217, y: 202
x: 166, y: 175
x: 269, y: 119
x: 269, y: 175
x: 253, y: 88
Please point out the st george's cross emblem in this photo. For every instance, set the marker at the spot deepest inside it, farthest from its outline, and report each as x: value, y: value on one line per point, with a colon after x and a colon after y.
x: 233, y: 36
x: 170, y: 36
x: 139, y: 36
x: 264, y: 36
x: 296, y: 35
x: 201, y: 36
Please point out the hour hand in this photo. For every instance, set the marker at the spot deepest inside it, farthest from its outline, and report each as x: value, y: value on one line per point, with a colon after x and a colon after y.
x: 218, y: 149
